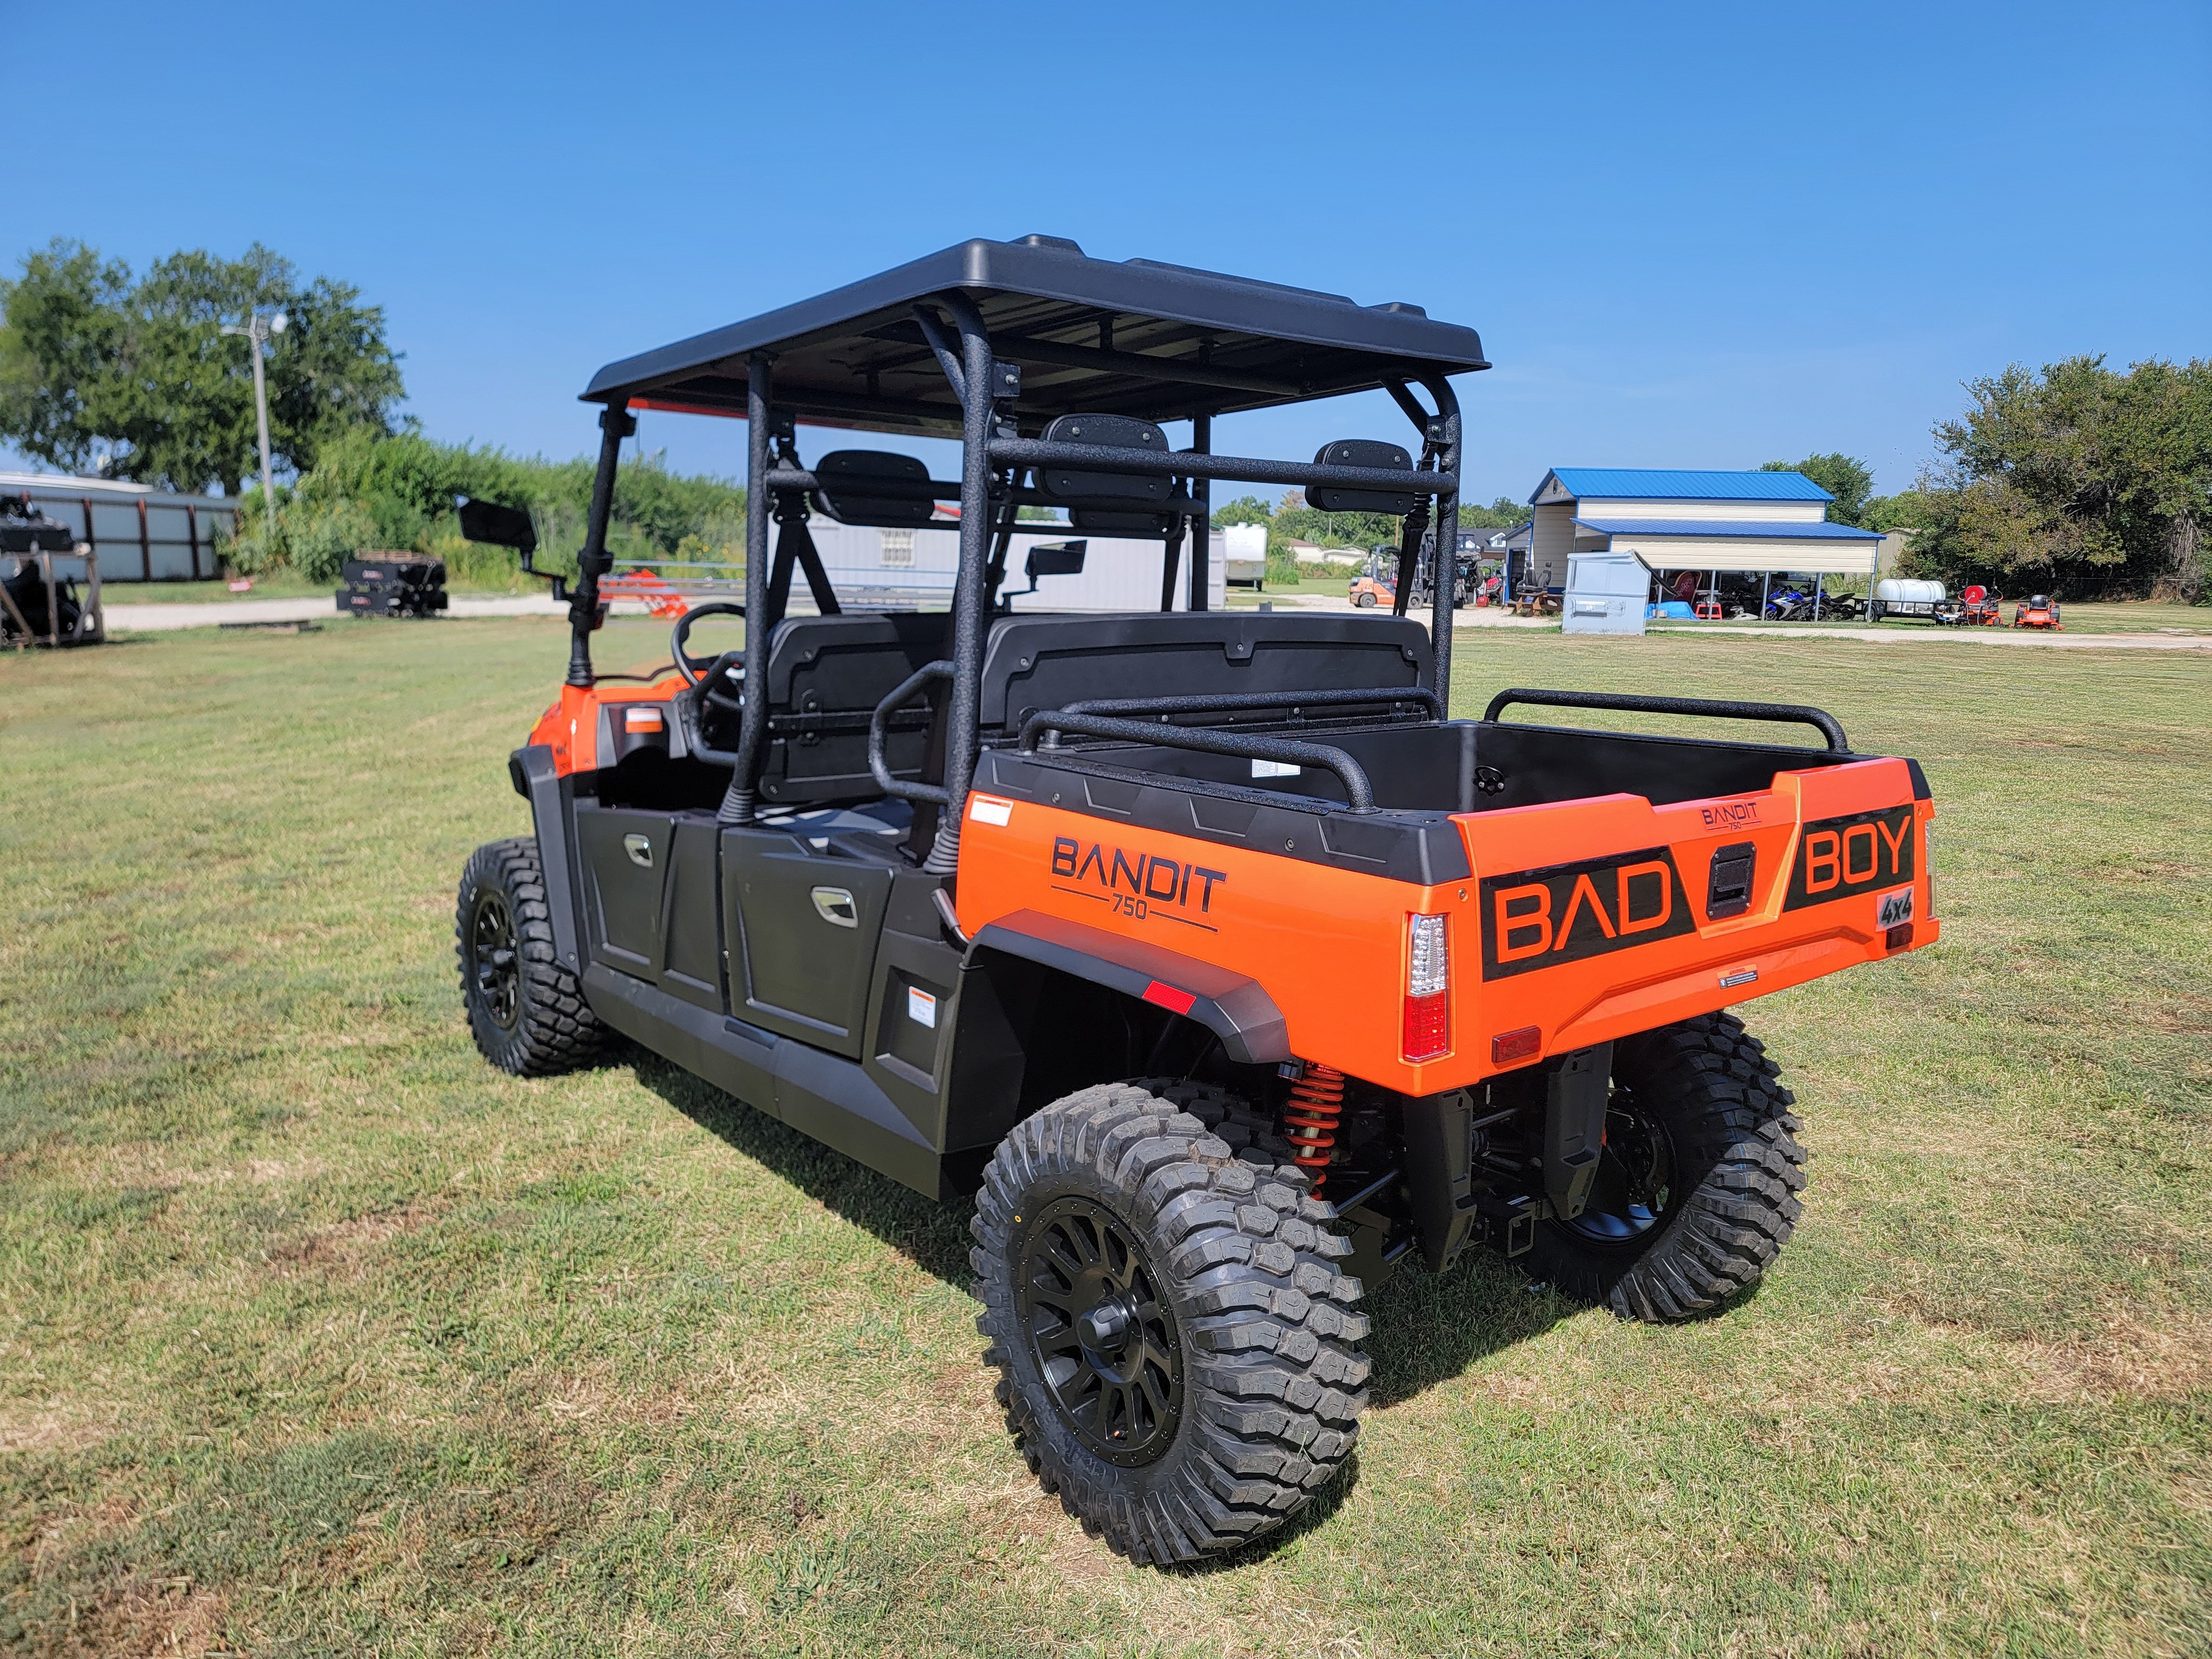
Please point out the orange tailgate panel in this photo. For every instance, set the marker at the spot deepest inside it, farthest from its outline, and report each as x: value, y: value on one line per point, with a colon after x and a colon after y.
x: 1586, y: 920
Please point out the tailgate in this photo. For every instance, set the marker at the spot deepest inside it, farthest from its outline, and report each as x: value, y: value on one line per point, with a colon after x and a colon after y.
x: 1603, y: 917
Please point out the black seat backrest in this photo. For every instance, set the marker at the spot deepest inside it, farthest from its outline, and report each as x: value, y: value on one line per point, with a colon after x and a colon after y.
x: 825, y: 676
x: 849, y: 487
x: 1109, y: 504
x: 1034, y: 662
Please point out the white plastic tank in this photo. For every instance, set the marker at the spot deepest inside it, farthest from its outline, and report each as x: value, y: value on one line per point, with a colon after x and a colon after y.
x: 1906, y: 589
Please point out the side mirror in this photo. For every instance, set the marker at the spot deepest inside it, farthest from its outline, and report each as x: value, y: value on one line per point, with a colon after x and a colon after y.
x: 1054, y: 559
x: 502, y: 526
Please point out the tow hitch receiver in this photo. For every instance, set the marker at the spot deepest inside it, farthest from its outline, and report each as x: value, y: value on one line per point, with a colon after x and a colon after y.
x: 1574, y: 1126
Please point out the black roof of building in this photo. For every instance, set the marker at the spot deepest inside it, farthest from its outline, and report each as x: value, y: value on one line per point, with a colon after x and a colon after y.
x: 1091, y: 334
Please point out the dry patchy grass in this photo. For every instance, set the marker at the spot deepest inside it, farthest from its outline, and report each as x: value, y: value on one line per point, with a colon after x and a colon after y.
x: 316, y: 1335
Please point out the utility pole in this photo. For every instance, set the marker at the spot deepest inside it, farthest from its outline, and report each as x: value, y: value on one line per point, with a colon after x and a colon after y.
x: 258, y: 329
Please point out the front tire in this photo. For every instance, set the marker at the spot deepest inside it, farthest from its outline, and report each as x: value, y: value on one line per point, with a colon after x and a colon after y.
x: 1175, y: 1345
x: 1696, y: 1190
x: 526, y: 1010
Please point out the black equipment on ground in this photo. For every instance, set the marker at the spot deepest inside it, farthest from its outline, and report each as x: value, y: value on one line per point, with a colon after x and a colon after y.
x: 38, y: 605
x: 395, y: 584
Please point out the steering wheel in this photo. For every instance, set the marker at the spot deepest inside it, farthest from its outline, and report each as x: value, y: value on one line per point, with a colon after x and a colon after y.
x: 688, y: 666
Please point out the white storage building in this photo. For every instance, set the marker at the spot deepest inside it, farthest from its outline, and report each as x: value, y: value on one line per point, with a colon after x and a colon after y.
x: 1705, y: 522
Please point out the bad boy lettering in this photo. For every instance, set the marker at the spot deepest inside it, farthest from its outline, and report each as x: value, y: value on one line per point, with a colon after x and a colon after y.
x: 1541, y: 918
x: 1842, y: 858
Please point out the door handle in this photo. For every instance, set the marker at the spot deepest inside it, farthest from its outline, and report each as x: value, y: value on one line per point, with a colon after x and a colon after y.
x: 834, y: 906
x: 639, y: 850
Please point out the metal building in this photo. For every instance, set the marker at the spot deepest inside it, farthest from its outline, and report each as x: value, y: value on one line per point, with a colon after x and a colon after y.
x: 1706, y: 523
x: 142, y: 534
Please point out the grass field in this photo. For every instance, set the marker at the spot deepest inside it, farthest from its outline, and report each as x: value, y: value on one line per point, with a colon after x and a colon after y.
x: 317, y: 1336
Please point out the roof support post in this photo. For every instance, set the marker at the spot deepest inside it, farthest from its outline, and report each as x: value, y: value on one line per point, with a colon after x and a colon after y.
x: 738, y: 805
x: 1444, y: 564
x: 961, y: 736
x: 615, y: 425
x: 1201, y: 518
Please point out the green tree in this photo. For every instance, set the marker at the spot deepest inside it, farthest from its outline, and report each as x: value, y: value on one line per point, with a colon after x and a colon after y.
x: 1245, y: 509
x: 1503, y: 513
x: 1843, y: 476
x: 61, y: 327
x: 2076, y: 471
x: 91, y: 359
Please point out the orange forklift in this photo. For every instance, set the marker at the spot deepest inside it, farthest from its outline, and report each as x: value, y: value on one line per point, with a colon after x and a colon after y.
x: 1207, y: 954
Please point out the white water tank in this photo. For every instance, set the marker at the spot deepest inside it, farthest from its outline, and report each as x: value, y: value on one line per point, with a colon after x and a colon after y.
x: 1905, y: 590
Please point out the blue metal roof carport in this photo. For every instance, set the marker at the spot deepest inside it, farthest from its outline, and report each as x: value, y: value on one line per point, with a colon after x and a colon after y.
x: 1737, y: 545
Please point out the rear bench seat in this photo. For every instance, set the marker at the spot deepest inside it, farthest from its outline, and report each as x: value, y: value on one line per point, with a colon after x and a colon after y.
x: 826, y: 675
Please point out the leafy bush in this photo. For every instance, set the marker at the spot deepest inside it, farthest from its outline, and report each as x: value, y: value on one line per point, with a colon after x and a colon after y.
x: 370, y: 490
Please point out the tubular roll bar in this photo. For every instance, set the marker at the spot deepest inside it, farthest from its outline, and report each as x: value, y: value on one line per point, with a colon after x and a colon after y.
x: 1359, y: 794
x: 615, y: 425
x: 990, y: 448
x: 1788, y: 714
x: 739, y: 801
x: 1231, y: 468
x: 879, y: 765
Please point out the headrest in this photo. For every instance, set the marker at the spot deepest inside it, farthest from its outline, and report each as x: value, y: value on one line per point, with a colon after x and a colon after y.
x: 1138, y: 489
x: 1361, y: 451
x: 842, y: 478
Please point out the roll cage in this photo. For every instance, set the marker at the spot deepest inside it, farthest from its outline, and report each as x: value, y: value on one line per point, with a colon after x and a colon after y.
x: 1010, y: 346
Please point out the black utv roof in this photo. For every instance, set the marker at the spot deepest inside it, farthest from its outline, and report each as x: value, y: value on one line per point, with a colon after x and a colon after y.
x: 1137, y: 337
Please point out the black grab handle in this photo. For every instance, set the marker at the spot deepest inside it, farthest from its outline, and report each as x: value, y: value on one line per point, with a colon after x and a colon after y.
x: 879, y: 764
x: 1788, y: 714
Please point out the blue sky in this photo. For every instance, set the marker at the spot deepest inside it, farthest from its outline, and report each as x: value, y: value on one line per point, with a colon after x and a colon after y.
x: 1690, y: 236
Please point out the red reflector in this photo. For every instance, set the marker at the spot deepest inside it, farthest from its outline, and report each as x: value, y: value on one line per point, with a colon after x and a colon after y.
x: 1168, y: 997
x: 1899, y: 936
x: 1427, y: 1026
x: 1516, y: 1045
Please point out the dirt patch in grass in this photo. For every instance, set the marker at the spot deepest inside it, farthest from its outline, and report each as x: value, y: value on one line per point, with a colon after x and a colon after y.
x: 25, y: 1428
x: 345, y: 1247
x: 2130, y: 1360
x: 136, y: 1617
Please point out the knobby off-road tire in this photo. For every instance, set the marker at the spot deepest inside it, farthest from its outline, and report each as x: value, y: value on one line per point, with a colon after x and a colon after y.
x: 525, y: 1009
x: 1214, y: 1290
x: 1700, y: 1129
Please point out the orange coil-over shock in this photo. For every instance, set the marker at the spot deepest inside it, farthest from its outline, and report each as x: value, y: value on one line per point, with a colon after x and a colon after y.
x: 1316, y: 1106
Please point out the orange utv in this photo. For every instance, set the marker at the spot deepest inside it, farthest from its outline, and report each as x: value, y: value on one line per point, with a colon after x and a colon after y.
x: 1206, y: 954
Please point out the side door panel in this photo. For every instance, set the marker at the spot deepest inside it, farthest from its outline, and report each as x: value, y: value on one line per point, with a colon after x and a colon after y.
x: 691, y: 921
x: 626, y: 860
x: 804, y: 924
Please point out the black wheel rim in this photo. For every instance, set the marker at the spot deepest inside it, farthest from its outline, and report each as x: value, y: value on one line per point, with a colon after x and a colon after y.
x: 495, y: 970
x: 1101, y: 1331
x: 1636, y: 1187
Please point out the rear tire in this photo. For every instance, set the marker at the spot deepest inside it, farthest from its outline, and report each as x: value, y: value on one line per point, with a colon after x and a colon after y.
x: 1695, y: 1194
x: 1176, y: 1347
x: 526, y: 1011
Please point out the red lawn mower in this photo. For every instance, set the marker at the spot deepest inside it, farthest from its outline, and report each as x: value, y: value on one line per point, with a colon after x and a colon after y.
x: 2040, y: 610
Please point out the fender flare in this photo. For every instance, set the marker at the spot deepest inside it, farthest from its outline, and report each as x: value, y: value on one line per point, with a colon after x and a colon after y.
x: 529, y: 768
x: 1233, y: 1007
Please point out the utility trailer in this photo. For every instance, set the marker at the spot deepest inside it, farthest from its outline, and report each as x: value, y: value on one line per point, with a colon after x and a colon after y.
x: 1219, y: 965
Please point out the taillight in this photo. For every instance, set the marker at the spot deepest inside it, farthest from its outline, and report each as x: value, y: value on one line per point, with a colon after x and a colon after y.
x: 1428, y: 988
